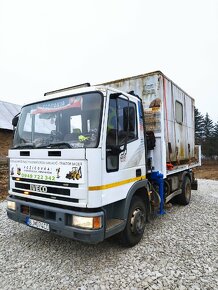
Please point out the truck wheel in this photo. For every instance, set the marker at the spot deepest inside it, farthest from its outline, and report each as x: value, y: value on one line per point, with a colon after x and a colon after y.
x: 135, y: 225
x: 185, y: 196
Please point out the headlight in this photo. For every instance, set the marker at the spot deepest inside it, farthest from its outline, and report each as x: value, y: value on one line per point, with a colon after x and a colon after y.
x: 87, y: 222
x: 11, y: 205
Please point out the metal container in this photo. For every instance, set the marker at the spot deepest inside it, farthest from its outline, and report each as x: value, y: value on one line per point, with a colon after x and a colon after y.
x: 169, y: 113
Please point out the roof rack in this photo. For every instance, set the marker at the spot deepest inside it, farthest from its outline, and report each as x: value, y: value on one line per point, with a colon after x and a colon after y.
x: 67, y: 89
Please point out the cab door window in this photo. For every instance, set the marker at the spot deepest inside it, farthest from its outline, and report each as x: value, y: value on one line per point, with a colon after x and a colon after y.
x: 127, y: 129
x: 121, y: 129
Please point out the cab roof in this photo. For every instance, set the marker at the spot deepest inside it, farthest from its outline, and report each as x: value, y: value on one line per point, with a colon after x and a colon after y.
x: 76, y: 90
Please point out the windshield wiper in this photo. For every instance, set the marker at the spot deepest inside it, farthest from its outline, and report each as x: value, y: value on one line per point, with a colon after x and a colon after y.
x: 55, y: 145
x: 24, y: 145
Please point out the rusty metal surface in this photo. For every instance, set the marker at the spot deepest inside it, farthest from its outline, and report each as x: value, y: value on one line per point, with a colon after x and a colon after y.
x: 7, y: 112
x: 180, y: 134
x: 174, y: 140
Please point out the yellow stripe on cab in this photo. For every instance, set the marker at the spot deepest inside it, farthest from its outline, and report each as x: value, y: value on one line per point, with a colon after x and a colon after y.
x: 115, y: 184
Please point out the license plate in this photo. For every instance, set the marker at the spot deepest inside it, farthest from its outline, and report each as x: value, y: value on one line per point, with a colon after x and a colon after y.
x: 38, y: 224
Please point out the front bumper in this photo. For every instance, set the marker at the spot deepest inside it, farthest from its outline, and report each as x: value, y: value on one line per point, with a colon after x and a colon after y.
x: 58, y: 220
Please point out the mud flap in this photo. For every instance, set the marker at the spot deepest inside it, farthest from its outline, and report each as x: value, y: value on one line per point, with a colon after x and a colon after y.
x: 194, y: 184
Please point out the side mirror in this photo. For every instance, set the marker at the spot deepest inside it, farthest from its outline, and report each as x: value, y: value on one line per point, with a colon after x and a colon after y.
x: 15, y: 120
x: 151, y: 141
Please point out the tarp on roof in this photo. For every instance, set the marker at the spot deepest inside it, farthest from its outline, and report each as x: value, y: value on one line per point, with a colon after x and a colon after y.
x: 7, y: 113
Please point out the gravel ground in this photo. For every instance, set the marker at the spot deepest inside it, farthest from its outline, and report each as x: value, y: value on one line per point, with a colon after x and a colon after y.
x: 179, y: 251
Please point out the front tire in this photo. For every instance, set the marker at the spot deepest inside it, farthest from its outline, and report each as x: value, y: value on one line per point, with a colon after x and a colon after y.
x: 135, y: 225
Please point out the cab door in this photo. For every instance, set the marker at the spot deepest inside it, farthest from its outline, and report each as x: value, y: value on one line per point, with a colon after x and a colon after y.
x: 125, y: 151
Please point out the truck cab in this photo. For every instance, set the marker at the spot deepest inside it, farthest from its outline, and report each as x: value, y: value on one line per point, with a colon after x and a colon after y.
x: 78, y: 165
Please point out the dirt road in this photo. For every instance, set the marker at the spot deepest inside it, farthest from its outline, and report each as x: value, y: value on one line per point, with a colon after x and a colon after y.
x: 208, y: 170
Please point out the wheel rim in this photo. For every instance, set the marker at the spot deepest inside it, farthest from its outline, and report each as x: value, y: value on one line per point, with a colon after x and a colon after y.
x: 137, y: 221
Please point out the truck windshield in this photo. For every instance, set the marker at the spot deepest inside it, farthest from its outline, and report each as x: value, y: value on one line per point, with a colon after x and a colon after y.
x: 69, y: 122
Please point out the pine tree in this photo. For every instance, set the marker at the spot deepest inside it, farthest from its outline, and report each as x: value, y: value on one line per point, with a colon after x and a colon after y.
x: 208, y: 127
x: 208, y: 143
x: 199, y: 127
x: 215, y: 140
x: 215, y: 131
x: 206, y: 134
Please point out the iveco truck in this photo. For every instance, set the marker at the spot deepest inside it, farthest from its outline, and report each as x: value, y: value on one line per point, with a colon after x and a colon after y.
x: 89, y: 162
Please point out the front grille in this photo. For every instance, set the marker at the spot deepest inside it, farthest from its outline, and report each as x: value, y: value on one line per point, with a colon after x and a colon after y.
x: 41, y: 188
x: 55, y: 190
x: 46, y: 196
x: 64, y: 184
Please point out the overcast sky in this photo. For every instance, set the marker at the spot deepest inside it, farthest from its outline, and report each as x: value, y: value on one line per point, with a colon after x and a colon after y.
x: 48, y: 44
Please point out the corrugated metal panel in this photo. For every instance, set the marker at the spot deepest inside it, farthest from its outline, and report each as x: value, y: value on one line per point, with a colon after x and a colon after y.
x: 7, y: 112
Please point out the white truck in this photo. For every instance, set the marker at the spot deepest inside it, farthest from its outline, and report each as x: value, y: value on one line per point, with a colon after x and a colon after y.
x: 89, y: 162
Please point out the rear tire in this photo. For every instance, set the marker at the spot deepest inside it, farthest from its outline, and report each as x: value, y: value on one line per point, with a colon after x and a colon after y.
x: 135, y: 225
x: 185, y: 196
